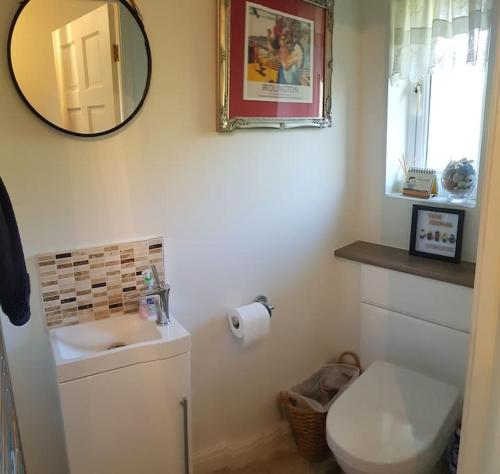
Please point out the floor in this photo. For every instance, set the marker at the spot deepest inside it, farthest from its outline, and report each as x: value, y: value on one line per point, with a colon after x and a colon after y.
x: 288, y: 464
x: 294, y: 464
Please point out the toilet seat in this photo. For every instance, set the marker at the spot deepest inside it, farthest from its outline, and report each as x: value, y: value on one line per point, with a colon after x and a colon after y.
x: 392, y: 420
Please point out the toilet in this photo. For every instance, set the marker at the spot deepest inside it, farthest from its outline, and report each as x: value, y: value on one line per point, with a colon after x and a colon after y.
x: 392, y: 420
x: 399, y: 415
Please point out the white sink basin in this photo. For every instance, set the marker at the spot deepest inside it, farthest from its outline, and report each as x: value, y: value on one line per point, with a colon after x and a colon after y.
x: 90, y: 338
x: 99, y: 346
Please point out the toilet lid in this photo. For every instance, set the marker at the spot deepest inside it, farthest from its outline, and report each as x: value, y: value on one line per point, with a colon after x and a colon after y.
x: 389, y: 419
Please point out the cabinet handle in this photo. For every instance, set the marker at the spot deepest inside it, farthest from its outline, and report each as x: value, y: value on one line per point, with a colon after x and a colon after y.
x: 184, y: 404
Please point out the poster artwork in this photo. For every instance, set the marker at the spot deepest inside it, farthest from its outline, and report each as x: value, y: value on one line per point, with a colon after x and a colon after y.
x: 278, y: 56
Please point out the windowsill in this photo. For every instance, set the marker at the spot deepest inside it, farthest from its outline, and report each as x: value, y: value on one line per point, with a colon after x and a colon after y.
x: 470, y: 204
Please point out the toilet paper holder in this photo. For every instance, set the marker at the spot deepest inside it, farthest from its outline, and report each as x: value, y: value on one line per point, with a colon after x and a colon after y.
x: 263, y: 300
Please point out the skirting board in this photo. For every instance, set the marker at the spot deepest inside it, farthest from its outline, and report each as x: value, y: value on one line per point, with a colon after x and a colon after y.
x: 261, y: 446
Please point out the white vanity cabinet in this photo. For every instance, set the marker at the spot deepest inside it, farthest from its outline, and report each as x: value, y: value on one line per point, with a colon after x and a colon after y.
x: 126, y: 411
x: 128, y: 420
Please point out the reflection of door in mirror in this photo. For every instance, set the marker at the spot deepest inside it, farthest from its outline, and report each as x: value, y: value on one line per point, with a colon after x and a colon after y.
x: 83, y: 65
x: 88, y: 79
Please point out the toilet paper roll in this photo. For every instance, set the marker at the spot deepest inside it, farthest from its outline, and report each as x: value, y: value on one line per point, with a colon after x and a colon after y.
x: 250, y: 323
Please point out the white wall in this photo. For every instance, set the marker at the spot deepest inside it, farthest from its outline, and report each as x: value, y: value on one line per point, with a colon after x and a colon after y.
x: 250, y: 212
x: 385, y: 220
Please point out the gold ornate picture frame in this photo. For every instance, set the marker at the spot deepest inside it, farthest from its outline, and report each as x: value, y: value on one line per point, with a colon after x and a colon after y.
x: 257, y: 87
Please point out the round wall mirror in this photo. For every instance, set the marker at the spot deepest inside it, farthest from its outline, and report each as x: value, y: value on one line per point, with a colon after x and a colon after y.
x: 82, y: 66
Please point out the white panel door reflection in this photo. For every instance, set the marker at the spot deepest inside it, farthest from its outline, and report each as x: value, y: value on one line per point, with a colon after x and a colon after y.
x: 87, y: 78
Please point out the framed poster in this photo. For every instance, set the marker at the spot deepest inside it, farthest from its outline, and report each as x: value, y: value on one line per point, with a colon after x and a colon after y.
x: 437, y: 233
x: 275, y: 64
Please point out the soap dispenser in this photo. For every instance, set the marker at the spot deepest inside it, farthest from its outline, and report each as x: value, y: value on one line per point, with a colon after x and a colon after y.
x: 150, y: 304
x: 148, y: 279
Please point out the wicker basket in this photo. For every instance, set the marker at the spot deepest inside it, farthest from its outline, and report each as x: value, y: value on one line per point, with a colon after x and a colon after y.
x: 308, y: 426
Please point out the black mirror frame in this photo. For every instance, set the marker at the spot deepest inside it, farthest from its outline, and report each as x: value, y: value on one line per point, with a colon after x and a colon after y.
x: 137, y: 18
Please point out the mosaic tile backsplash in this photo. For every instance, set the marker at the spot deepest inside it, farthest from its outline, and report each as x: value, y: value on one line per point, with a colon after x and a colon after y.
x: 84, y: 285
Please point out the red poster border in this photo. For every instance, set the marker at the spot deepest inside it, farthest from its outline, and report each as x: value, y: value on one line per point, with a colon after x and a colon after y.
x: 240, y: 108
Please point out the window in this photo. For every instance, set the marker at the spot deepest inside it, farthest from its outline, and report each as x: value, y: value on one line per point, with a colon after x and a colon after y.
x: 456, y: 108
x: 445, y: 118
x: 435, y: 120
x: 438, y: 78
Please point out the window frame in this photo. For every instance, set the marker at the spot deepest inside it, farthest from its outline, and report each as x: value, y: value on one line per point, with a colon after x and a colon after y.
x: 417, y: 134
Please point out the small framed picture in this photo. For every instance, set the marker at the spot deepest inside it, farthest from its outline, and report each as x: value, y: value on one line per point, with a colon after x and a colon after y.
x: 437, y: 233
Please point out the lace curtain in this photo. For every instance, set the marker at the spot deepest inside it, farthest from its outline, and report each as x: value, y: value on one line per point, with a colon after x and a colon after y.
x: 429, y: 35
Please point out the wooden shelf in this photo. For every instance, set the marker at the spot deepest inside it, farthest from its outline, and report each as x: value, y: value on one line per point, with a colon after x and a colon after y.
x: 462, y: 274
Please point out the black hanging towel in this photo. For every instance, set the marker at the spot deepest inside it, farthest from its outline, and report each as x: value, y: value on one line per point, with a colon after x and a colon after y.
x: 14, y: 278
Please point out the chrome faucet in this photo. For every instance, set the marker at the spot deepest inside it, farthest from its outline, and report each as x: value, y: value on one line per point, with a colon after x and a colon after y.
x: 162, y: 290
